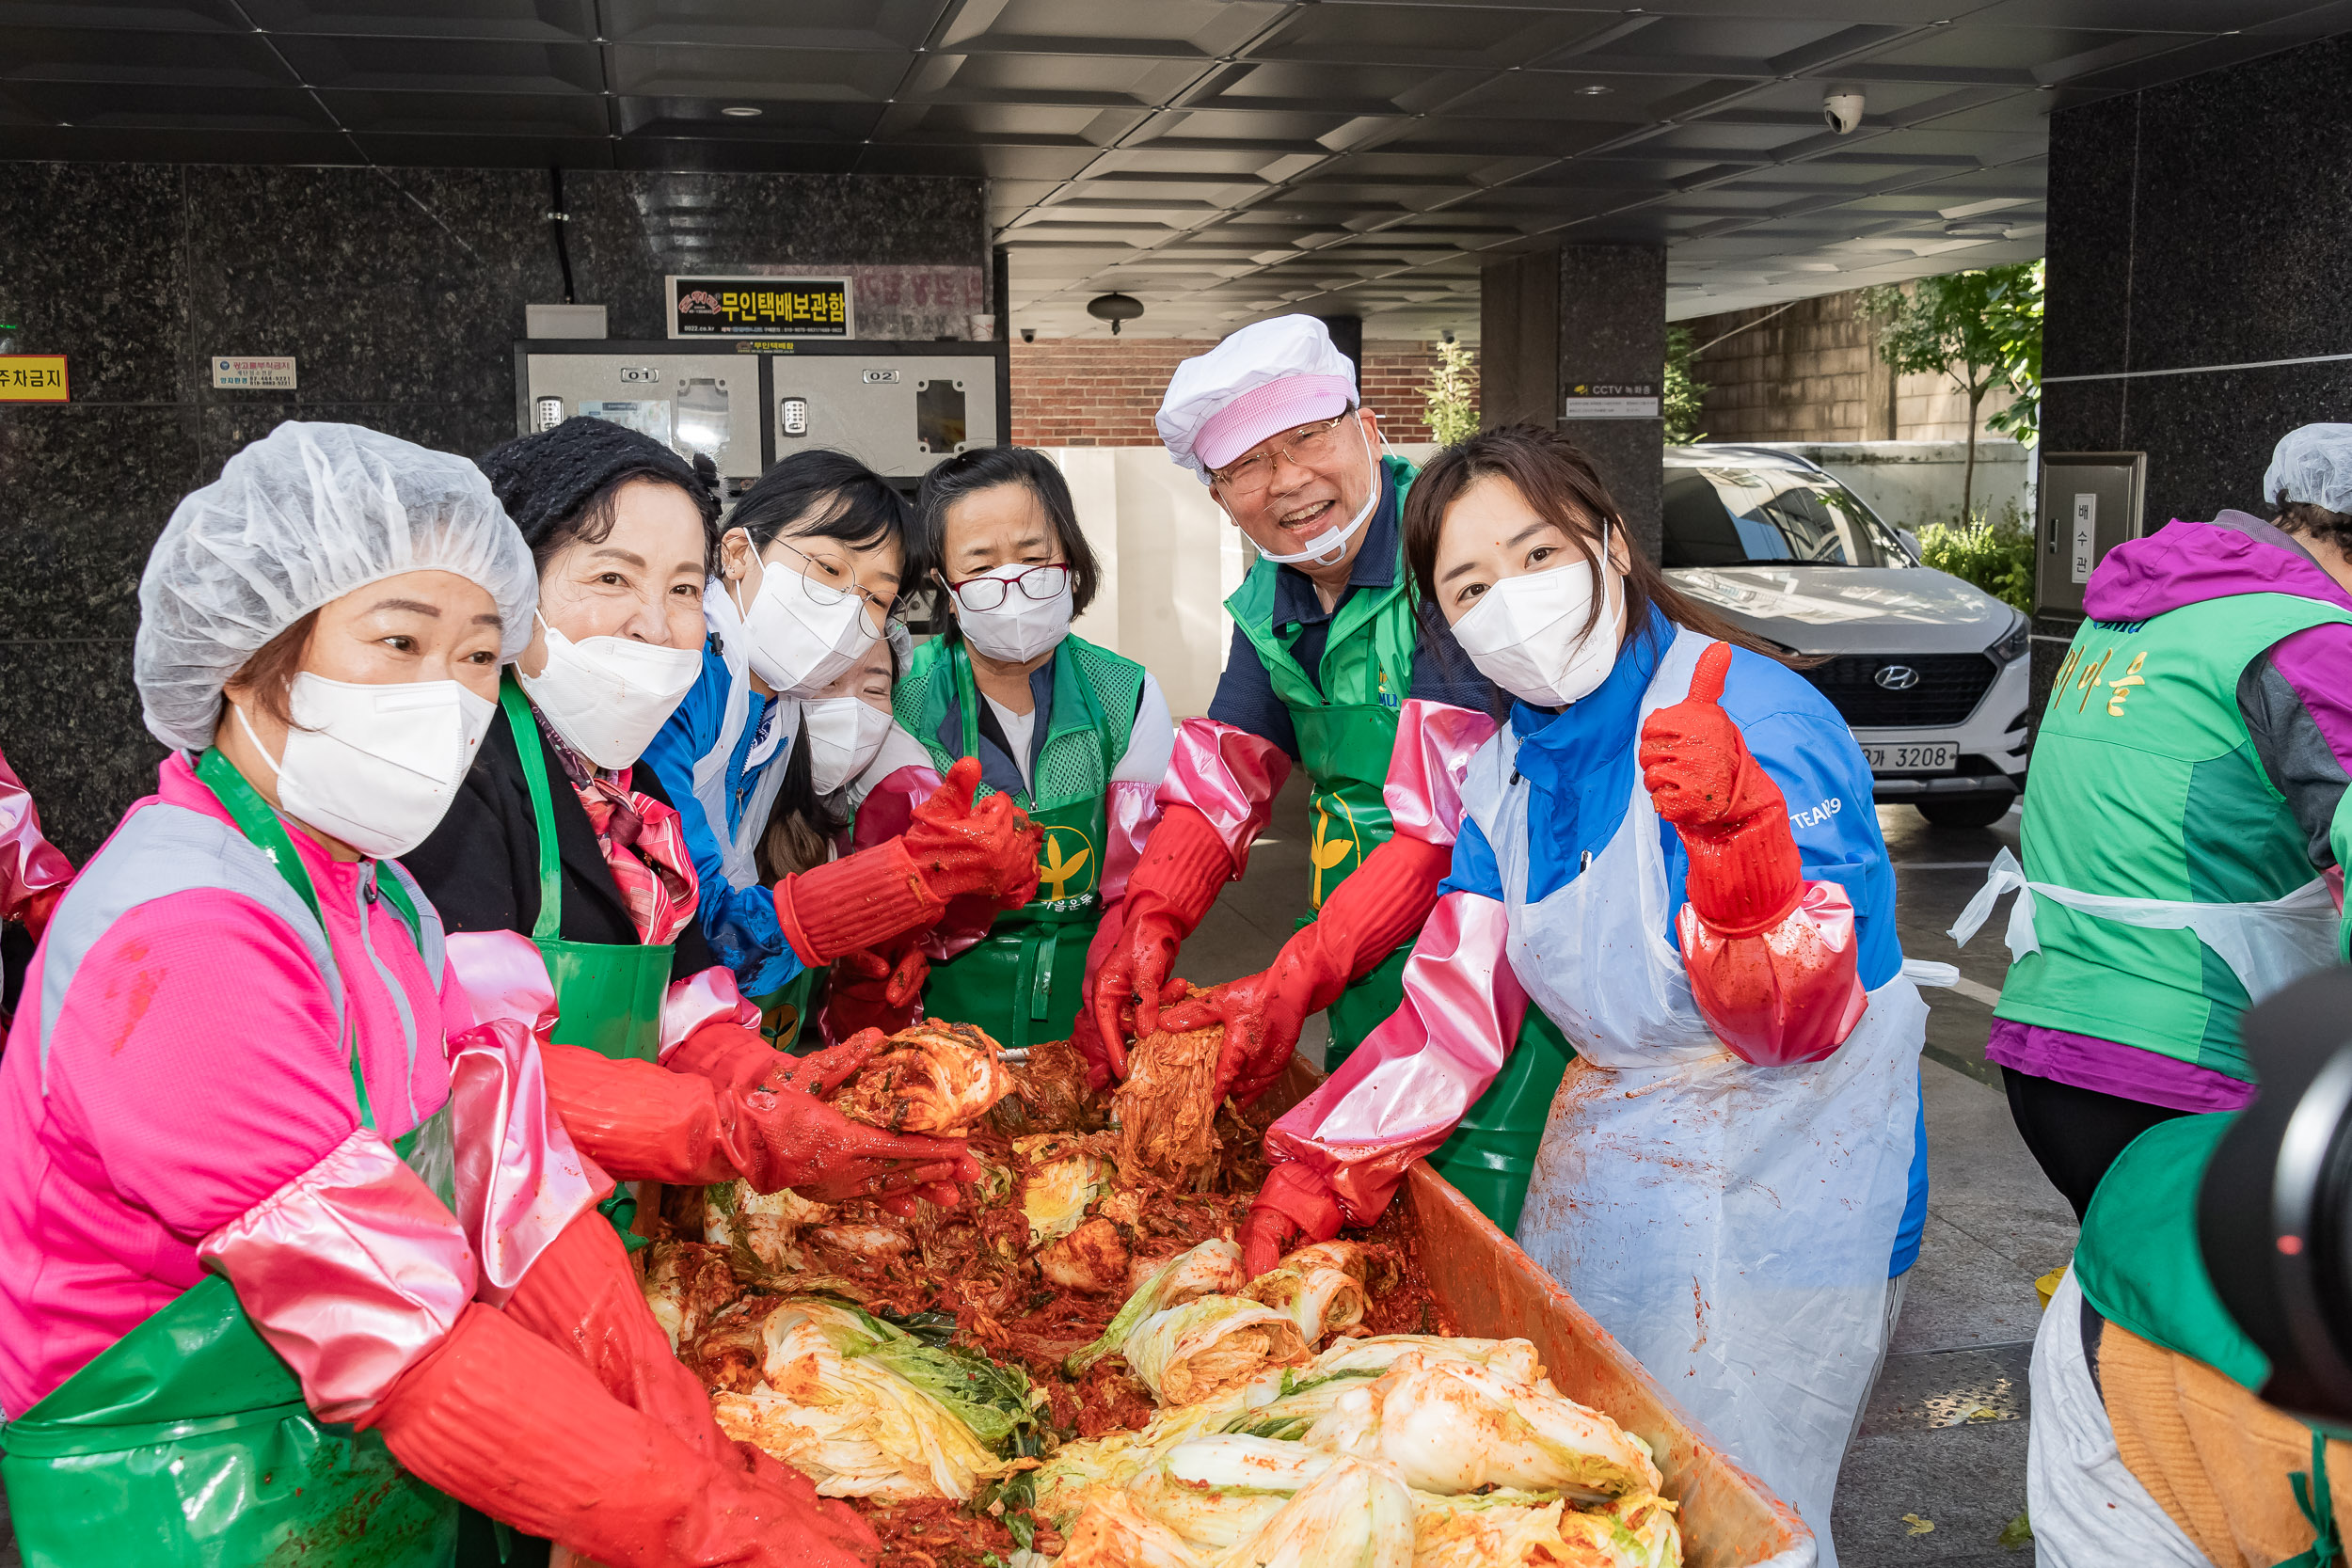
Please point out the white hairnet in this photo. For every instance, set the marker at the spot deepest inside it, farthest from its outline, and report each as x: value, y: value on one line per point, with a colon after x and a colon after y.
x: 296, y: 520
x: 2313, y: 465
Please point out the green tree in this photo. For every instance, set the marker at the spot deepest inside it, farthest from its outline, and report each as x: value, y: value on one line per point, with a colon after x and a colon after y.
x: 1981, y: 328
x: 1682, y: 393
x: 1451, y: 399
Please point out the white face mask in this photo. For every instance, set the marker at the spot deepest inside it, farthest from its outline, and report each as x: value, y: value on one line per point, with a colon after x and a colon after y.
x: 1021, y: 627
x: 844, y: 734
x: 1325, y: 546
x: 796, y: 644
x: 1526, y: 634
x: 375, y: 765
x: 609, y: 696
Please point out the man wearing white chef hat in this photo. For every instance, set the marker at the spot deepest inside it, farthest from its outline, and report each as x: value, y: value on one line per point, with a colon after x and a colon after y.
x: 1330, y: 667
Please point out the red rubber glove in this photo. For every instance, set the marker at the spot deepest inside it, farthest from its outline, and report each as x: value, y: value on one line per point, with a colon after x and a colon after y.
x: 642, y: 1122
x: 734, y: 1058
x: 581, y: 1296
x: 1184, y: 863
x: 1384, y: 901
x: 988, y: 849
x: 1745, y: 873
x: 952, y: 847
x: 501, y: 1420
x: 876, y: 989
x: 1294, y: 1209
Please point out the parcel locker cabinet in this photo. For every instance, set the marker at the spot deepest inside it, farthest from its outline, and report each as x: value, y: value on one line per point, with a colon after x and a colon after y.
x: 898, y: 414
x: 690, y: 402
x: 897, y: 408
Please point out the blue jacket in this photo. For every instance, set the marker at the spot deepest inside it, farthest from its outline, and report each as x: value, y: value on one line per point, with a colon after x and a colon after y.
x: 1580, y: 765
x: 740, y: 922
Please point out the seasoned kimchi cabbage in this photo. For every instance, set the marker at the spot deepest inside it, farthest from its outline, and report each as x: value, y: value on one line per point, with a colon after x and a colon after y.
x: 937, y: 1077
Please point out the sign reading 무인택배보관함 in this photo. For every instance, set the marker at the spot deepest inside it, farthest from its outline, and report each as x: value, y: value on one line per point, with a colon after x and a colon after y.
x: 32, y: 379
x: 1612, y: 400
x: 271, y: 373
x: 761, y: 307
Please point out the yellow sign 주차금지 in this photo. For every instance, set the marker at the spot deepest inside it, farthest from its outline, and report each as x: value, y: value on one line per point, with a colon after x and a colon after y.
x: 32, y: 379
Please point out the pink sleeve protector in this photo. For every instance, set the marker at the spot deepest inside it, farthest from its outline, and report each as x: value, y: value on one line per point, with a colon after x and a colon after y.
x: 888, y: 809
x: 1434, y: 742
x: 1414, y: 1077
x: 353, y: 1272
x: 1787, y: 994
x: 1131, y: 809
x: 1228, y: 775
x: 520, y: 1179
x: 31, y: 868
x: 700, y: 1001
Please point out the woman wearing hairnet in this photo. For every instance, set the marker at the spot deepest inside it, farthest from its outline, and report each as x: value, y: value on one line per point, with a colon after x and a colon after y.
x: 557, y: 840
x: 2185, y: 815
x: 298, y: 1258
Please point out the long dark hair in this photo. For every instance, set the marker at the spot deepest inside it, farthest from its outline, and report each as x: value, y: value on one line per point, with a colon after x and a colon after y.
x: 822, y: 494
x: 984, y: 468
x: 1555, y: 478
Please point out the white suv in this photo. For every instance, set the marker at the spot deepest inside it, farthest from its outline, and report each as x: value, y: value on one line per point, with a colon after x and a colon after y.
x: 1928, y: 670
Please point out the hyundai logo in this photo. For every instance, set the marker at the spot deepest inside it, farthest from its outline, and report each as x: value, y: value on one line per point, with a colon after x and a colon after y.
x: 1897, y: 678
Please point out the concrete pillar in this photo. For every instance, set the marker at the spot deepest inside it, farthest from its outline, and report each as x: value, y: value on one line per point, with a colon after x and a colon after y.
x: 1612, y: 358
x: 1347, y: 336
x: 1519, y: 337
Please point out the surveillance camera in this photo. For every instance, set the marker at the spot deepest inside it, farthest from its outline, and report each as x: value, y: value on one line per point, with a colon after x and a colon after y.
x: 1028, y: 334
x: 1842, y: 111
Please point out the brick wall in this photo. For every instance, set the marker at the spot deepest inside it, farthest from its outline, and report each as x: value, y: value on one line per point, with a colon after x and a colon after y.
x: 1102, y: 391
x: 1811, y: 372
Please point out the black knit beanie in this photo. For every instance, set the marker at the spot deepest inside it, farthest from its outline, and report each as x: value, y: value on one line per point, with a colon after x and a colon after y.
x: 547, y: 479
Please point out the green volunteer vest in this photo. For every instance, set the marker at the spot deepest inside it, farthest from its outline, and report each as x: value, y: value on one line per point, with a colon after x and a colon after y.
x: 187, y: 1440
x: 2146, y: 785
x: 1024, y: 981
x: 1347, y: 730
x: 607, y: 997
x: 2138, y: 1264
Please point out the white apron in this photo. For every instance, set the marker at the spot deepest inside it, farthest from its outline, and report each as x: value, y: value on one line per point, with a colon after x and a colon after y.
x: 1730, y: 1224
x: 737, y: 847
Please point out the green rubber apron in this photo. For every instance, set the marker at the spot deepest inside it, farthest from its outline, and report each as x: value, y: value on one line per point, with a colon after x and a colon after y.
x: 608, y: 996
x: 1346, y: 731
x: 187, y: 1441
x: 1024, y: 981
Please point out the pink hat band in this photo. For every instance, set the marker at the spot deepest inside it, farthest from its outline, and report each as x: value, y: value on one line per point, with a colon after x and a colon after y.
x: 1269, y: 410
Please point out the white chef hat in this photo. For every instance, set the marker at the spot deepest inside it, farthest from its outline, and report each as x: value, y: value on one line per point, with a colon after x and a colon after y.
x: 1270, y: 376
x: 2312, y: 464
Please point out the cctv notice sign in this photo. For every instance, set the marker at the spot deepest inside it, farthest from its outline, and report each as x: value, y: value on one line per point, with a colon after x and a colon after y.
x: 1612, y: 400
x: 32, y: 379
x: 761, y: 307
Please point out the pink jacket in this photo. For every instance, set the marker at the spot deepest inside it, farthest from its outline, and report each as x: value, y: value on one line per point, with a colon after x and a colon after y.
x: 192, y: 1068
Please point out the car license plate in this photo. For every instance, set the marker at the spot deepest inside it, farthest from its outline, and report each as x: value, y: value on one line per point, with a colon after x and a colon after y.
x: 1910, y: 757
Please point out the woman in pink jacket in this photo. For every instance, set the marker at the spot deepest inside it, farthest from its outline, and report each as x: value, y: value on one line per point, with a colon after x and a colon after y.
x: 298, y: 1257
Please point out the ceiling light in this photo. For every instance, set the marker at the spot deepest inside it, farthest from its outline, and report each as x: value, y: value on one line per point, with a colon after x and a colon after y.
x: 740, y: 111
x: 1594, y: 89
x: 1976, y: 228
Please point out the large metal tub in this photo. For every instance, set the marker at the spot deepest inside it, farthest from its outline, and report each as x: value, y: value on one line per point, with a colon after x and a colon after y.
x: 1729, y: 1519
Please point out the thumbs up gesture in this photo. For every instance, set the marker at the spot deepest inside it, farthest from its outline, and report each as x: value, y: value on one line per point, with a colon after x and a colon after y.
x: 1745, y: 873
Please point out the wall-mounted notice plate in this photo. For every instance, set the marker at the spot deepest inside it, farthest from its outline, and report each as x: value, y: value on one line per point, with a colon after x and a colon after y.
x: 254, y: 372
x: 1612, y: 400
x: 32, y: 379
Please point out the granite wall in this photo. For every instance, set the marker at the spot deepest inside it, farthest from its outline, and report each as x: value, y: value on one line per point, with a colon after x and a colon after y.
x: 2202, y: 223
x: 400, y: 295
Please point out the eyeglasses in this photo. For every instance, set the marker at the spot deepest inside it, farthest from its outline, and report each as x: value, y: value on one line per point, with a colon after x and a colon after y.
x: 985, y: 593
x: 1308, y: 445
x: 829, y: 583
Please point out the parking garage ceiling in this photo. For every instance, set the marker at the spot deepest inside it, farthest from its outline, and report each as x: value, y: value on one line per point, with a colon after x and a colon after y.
x: 1218, y: 160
